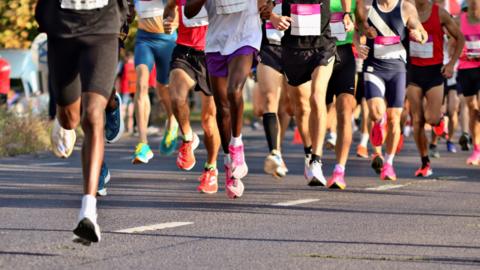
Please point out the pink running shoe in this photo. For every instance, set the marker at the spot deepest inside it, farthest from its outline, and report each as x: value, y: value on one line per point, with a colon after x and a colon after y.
x: 227, y: 163
x: 377, y: 134
x: 239, y: 167
x: 474, y: 159
x: 388, y: 173
x: 234, y: 188
x: 337, y: 181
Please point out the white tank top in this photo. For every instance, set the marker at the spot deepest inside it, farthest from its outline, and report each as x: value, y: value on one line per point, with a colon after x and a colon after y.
x: 149, y: 8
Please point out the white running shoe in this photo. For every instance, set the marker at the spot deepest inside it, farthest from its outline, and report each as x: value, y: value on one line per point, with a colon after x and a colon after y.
x: 87, y: 230
x: 315, y: 174
x: 308, y: 157
x: 274, y: 165
x: 331, y: 141
x: 63, y: 140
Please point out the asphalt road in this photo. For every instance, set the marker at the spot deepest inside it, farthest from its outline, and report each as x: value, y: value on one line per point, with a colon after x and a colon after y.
x: 413, y: 223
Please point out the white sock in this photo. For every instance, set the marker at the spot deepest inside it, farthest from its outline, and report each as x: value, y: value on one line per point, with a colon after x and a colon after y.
x: 364, y: 139
x: 89, y: 208
x: 236, y: 141
x: 339, y: 168
x: 188, y: 137
x: 389, y: 158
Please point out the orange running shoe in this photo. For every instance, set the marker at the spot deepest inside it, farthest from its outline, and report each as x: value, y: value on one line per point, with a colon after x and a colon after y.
x: 208, y: 182
x: 400, y: 144
x: 186, y: 158
x: 424, y: 171
x: 362, y: 151
x: 441, y: 128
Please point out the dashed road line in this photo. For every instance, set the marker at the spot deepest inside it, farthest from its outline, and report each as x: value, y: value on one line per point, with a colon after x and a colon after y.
x: 295, y: 202
x: 154, y: 227
x: 385, y: 187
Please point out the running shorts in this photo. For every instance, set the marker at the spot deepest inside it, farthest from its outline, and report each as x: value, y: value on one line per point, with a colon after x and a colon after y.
x: 360, y: 92
x: 217, y: 64
x: 342, y: 80
x: 194, y: 64
x: 299, y: 64
x: 155, y: 48
x: 426, y: 77
x: 389, y: 85
x: 271, y: 55
x: 82, y: 64
x: 469, y: 81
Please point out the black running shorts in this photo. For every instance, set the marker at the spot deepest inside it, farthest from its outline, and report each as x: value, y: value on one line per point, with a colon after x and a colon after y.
x: 343, y: 75
x: 194, y: 64
x: 82, y: 64
x: 469, y: 81
x: 271, y: 55
x: 426, y: 77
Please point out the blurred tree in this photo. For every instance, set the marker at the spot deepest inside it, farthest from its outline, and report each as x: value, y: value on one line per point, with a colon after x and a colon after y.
x: 17, y: 23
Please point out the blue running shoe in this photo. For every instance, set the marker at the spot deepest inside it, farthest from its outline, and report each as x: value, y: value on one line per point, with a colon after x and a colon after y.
x: 142, y: 154
x: 169, y: 141
x: 103, y: 180
x: 451, y: 147
x: 114, y: 125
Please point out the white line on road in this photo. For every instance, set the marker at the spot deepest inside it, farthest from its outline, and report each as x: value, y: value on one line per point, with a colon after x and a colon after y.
x: 49, y: 164
x: 385, y: 187
x: 154, y: 227
x: 296, y: 202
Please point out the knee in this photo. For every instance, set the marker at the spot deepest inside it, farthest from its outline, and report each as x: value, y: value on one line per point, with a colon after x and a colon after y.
x: 393, y: 120
x: 93, y: 116
x: 68, y: 120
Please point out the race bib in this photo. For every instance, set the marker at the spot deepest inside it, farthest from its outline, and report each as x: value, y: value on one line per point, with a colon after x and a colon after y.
x: 273, y: 35
x: 225, y: 7
x: 306, y: 20
x: 472, y: 43
x: 424, y: 51
x: 83, y: 4
x: 201, y: 19
x: 337, y: 27
x: 388, y: 48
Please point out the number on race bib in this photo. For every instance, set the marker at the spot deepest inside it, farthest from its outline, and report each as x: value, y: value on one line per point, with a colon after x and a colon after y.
x: 83, y: 4
x: 472, y: 42
x: 337, y: 27
x: 424, y: 51
x: 201, y: 19
x: 306, y: 19
x: 388, y: 48
x: 225, y: 7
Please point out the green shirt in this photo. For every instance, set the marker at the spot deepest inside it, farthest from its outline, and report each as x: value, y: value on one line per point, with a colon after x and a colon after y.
x: 336, y: 7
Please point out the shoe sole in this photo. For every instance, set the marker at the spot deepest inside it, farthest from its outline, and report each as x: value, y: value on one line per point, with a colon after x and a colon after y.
x: 337, y: 186
x: 103, y: 192
x: 138, y: 160
x: 473, y: 163
x: 362, y: 156
x: 86, y: 231
x: 421, y: 175
x: 330, y: 146
x: 235, y: 194
x: 377, y: 165
x: 121, y: 130
x: 388, y: 178
x: 316, y: 183
x: 271, y: 168
x: 207, y: 192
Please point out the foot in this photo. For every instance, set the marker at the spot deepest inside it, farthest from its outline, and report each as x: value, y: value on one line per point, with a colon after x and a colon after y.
x: 377, y: 134
x: 433, y: 151
x: 474, y: 159
x: 424, y: 171
x: 87, y: 230
x: 239, y: 167
x: 331, y: 141
x: 63, y: 140
x: 169, y: 142
x: 274, y: 165
x: 308, y: 157
x: 451, y: 147
x: 377, y: 163
x: 208, y: 182
x: 143, y: 154
x: 388, y: 173
x: 440, y: 129
x: 103, y: 180
x: 114, y: 126
x: 234, y: 188
x: 186, y: 156
x: 337, y: 181
x: 362, y: 151
x: 464, y: 142
x: 315, y: 174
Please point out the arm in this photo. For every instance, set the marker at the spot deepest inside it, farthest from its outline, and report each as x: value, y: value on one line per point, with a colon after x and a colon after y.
x: 347, y: 19
x: 169, y: 10
x: 417, y: 32
x: 169, y: 16
x: 192, y: 7
x: 455, y: 34
x: 280, y: 22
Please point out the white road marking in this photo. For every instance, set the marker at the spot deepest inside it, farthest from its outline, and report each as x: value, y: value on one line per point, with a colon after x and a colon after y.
x: 154, y: 227
x: 452, y: 177
x: 50, y: 164
x: 385, y: 187
x: 296, y: 202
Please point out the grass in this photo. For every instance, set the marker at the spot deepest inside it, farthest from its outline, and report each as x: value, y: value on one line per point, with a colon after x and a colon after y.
x: 24, y: 134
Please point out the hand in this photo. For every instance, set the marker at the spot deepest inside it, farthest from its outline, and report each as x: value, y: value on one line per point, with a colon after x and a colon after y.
x: 348, y: 23
x: 280, y: 23
x: 265, y: 10
x: 363, y: 51
x: 418, y: 36
x: 169, y: 25
x: 370, y: 31
x: 447, y: 70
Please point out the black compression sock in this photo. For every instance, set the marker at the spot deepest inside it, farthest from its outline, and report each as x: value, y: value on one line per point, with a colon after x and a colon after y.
x: 270, y: 125
x: 308, y: 150
x: 425, y: 161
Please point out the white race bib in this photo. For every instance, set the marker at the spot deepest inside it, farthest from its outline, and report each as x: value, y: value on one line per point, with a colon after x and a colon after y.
x: 273, y: 35
x: 388, y: 48
x: 306, y: 19
x: 424, y: 51
x: 472, y: 42
x: 82, y: 4
x: 337, y: 27
x: 225, y: 7
x: 201, y: 19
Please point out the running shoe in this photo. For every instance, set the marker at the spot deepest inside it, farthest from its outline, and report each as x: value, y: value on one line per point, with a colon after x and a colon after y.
x: 239, y: 167
x: 377, y: 135
x: 377, y: 163
x: 308, y: 157
x: 424, y: 171
x: 63, y: 140
x: 103, y: 180
x: 274, y: 165
x: 440, y: 129
x: 234, y: 188
x: 331, y: 141
x: 337, y: 181
x: 142, y: 154
x: 388, y: 173
x: 464, y: 142
x: 451, y: 147
x: 227, y: 163
x: 208, y: 182
x: 433, y: 151
x: 114, y: 125
x: 87, y: 230
x: 169, y: 142
x: 362, y: 151
x: 474, y: 159
x: 186, y: 156
x: 400, y: 144
x: 315, y: 174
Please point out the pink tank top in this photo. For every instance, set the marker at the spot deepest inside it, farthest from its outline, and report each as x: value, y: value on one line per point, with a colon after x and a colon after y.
x: 470, y: 57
